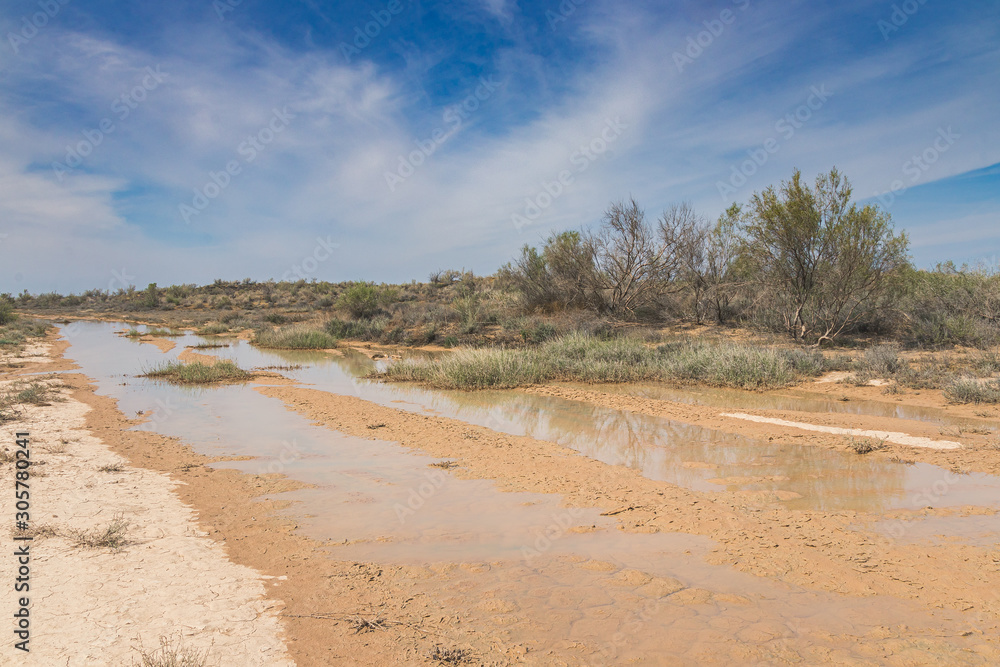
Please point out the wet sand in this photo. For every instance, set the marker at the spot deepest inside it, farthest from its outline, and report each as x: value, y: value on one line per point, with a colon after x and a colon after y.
x: 630, y: 570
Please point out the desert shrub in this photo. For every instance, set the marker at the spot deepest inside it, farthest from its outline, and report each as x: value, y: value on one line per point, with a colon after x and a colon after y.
x: 199, y: 373
x: 213, y: 329
x: 579, y: 357
x: 7, y: 314
x: 538, y: 332
x: 866, y: 445
x: 359, y: 329
x: 295, y: 338
x: 951, y: 306
x: 880, y: 361
x: 971, y: 390
x: 365, y: 300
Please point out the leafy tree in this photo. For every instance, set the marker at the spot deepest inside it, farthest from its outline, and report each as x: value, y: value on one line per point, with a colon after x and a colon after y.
x: 365, y: 300
x: 152, y: 297
x: 825, y: 258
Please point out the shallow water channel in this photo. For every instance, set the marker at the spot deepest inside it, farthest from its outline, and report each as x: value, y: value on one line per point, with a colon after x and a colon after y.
x: 359, y: 485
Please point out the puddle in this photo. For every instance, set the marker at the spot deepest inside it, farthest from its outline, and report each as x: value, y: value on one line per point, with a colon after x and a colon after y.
x: 787, y: 399
x: 978, y: 530
x: 802, y: 477
x: 560, y: 582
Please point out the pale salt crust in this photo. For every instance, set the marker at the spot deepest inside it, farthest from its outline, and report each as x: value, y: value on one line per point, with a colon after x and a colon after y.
x: 890, y: 436
x: 99, y: 607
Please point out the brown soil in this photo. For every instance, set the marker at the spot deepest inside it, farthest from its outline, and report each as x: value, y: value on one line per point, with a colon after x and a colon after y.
x: 343, y: 612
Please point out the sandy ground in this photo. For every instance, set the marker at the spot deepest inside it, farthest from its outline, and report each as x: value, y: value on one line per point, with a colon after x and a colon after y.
x: 105, y: 606
x: 226, y: 537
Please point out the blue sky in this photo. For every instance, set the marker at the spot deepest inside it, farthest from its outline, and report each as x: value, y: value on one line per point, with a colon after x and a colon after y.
x: 188, y: 141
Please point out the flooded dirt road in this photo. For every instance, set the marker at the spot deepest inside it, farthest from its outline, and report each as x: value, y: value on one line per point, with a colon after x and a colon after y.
x: 578, y: 525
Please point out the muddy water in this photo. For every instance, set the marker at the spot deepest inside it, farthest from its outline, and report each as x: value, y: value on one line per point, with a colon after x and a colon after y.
x: 563, y: 583
x: 788, y: 399
x: 703, y: 459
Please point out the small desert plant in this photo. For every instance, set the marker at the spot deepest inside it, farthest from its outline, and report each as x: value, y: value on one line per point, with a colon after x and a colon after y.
x: 866, y: 445
x: 112, y: 536
x: 882, y: 361
x: 170, y: 655
x: 969, y: 390
x: 213, y: 329
x: 112, y: 467
x: 450, y: 656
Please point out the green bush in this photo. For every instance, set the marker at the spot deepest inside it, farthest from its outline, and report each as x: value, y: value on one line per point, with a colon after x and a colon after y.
x: 295, y: 338
x: 199, y: 373
x: 969, y: 390
x: 365, y: 300
x: 583, y: 358
x: 7, y: 314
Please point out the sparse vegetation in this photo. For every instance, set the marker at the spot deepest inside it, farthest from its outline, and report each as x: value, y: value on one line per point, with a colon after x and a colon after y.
x: 199, y: 373
x: 7, y: 315
x: 295, y: 338
x: 971, y: 390
x: 21, y: 393
x: 579, y: 357
x: 112, y: 468
x: 450, y: 656
x: 113, y: 536
x: 866, y: 445
x: 365, y: 300
x: 37, y: 531
x: 171, y: 655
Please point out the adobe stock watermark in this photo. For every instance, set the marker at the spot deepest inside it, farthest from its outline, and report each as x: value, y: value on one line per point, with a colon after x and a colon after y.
x: 366, y: 34
x: 122, y: 107
x: 290, y: 453
x: 309, y: 264
x: 223, y: 7
x: 918, y: 165
x: 163, y: 411
x: 454, y: 116
x: 419, y: 495
x: 928, y: 497
x: 581, y: 160
x: 900, y: 15
x: 120, y: 280
x: 248, y: 150
x: 566, y: 9
x: 786, y: 127
x: 547, y: 536
x: 33, y: 23
x: 698, y: 43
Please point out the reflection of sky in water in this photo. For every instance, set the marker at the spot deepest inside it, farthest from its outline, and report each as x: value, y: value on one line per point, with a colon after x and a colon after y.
x: 237, y: 420
x: 374, y: 500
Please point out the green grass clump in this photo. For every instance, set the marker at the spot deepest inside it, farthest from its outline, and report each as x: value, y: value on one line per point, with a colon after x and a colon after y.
x: 359, y: 329
x: 213, y: 329
x: 35, y: 393
x: 295, y: 338
x: 583, y: 358
x: 199, y: 373
x: 16, y: 332
x: 969, y: 390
